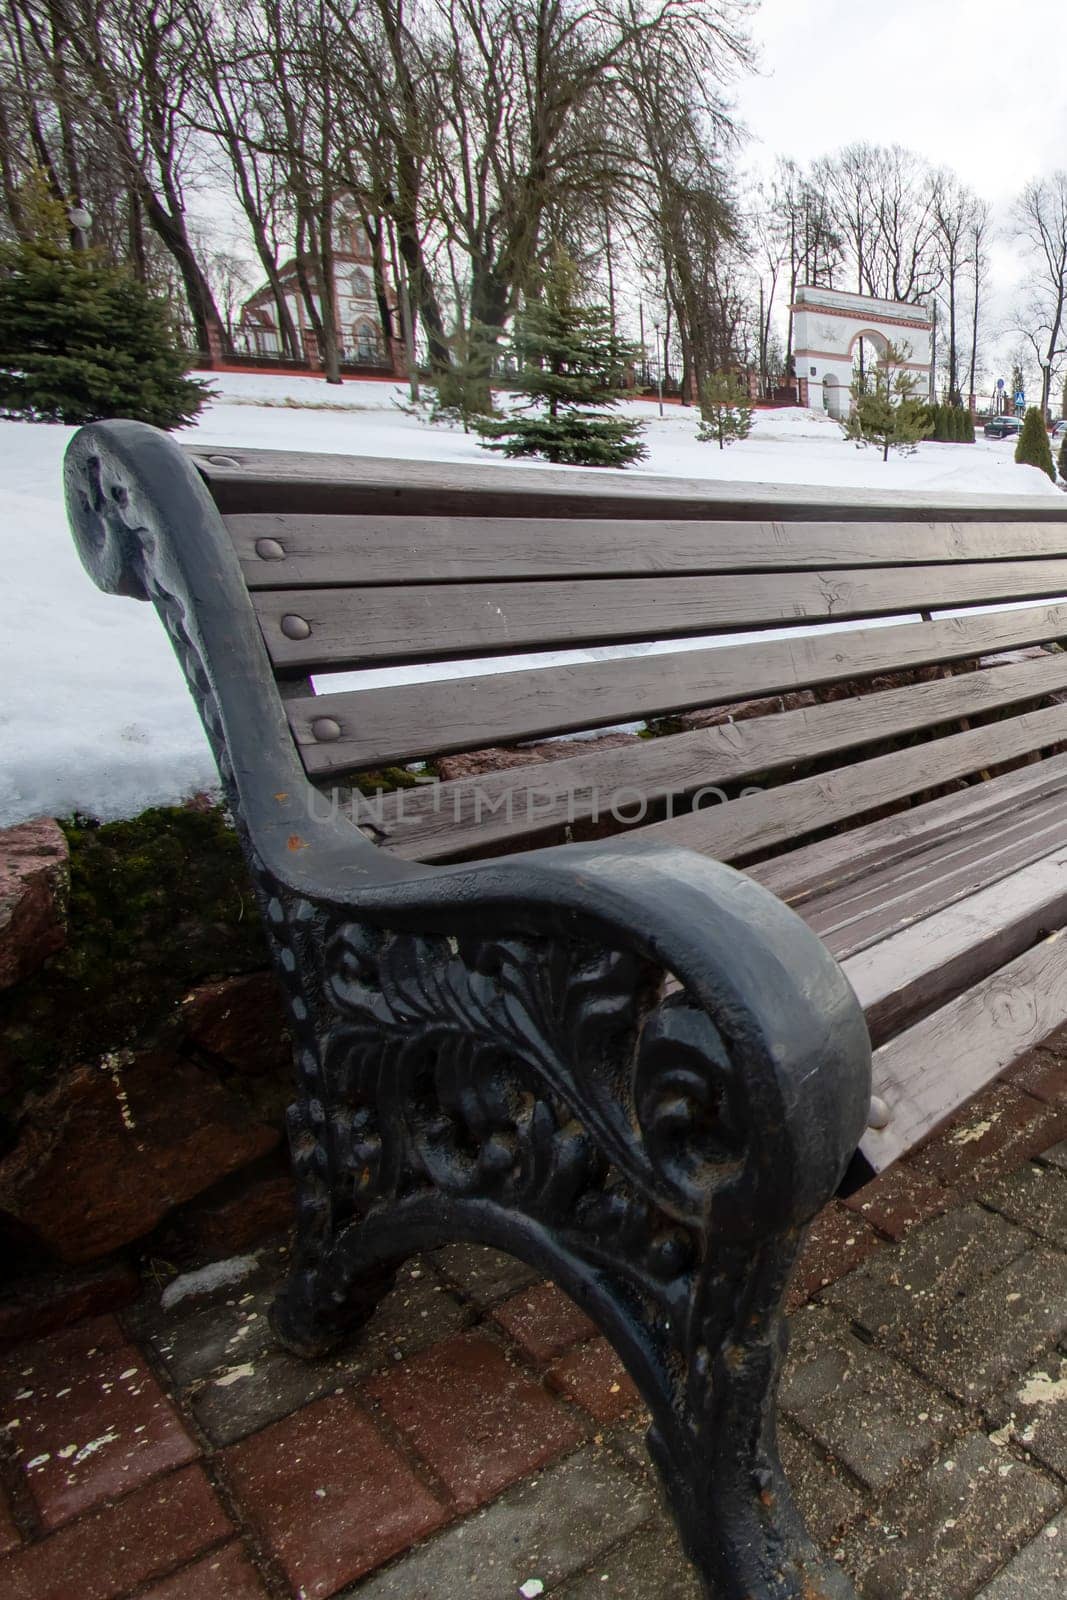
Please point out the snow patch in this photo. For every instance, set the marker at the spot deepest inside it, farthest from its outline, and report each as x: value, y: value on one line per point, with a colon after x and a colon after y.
x: 235, y: 1375
x: 1041, y: 1390
x: 216, y: 1275
x: 94, y: 713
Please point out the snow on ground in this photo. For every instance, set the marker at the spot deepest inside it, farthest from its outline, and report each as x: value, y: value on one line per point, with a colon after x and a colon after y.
x: 787, y: 446
x: 94, y: 715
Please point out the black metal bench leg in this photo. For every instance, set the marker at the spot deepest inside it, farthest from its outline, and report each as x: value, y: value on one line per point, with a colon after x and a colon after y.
x: 712, y: 1435
x: 561, y: 1102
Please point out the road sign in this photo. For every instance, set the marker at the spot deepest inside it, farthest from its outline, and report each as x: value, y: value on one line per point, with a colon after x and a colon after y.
x: 1000, y: 383
x: 1020, y: 397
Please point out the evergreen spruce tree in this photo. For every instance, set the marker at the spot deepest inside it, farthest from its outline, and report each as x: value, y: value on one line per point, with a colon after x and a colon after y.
x: 885, y: 411
x: 463, y: 392
x: 1063, y: 459
x: 570, y: 367
x: 724, y: 410
x: 1033, y: 448
x: 81, y: 340
x: 968, y: 426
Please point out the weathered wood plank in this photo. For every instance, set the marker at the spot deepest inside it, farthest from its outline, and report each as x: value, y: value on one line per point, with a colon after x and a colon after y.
x: 244, y: 480
x: 814, y: 870
x: 346, y: 627
x: 411, y: 720
x: 756, y: 822
x: 450, y: 820
x: 929, y: 1070
x: 291, y: 549
x: 955, y: 947
x: 917, y: 886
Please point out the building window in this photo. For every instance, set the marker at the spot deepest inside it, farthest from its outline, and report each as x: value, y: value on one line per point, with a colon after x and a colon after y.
x: 366, y: 341
x: 360, y: 285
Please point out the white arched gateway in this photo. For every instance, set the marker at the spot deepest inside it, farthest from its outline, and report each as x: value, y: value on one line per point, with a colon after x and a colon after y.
x: 834, y: 332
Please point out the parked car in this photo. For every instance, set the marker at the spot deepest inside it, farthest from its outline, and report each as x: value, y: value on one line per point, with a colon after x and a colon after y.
x: 1059, y: 428
x: 1002, y: 427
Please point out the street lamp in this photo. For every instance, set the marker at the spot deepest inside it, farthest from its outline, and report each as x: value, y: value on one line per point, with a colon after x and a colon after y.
x: 80, y: 221
x: 659, y: 364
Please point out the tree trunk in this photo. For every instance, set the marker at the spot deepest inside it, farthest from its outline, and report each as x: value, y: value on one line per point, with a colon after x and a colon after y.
x: 8, y: 180
x: 138, y: 248
x: 331, y: 352
x: 410, y: 247
x: 171, y: 231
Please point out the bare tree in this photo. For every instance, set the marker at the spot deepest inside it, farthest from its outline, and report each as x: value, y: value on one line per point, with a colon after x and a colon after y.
x: 954, y: 208
x: 881, y: 199
x: 978, y: 231
x: 136, y: 61
x: 1039, y: 223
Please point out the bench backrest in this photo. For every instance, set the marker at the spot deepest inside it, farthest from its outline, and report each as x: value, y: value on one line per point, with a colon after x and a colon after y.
x: 356, y: 565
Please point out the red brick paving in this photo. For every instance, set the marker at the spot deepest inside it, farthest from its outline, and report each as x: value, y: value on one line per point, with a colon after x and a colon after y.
x: 91, y: 1422
x: 543, y: 1321
x: 329, y: 1495
x: 226, y: 1574
x: 995, y: 1134
x: 837, y: 1241
x: 1043, y: 1074
x: 107, y: 1553
x: 895, y: 1202
x: 478, y: 1421
x: 594, y: 1377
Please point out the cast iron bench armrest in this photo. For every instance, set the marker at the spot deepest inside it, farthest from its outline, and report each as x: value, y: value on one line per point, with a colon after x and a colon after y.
x: 635, y: 1068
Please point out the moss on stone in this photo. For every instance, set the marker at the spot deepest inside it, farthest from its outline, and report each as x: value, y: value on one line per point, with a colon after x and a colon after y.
x: 157, y: 904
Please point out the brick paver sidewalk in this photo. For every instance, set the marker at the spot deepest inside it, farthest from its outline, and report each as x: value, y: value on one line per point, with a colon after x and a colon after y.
x: 481, y: 1441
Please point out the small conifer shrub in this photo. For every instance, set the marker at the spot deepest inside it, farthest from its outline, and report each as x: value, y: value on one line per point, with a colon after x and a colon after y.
x: 885, y: 411
x: 1033, y: 448
x: 81, y: 340
x: 571, y: 367
x: 724, y: 410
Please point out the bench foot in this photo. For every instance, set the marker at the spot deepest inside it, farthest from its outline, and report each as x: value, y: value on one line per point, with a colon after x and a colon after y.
x: 575, y: 1107
x: 306, y: 1320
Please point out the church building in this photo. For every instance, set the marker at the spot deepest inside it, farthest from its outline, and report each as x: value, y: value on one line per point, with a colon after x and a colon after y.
x: 361, y: 337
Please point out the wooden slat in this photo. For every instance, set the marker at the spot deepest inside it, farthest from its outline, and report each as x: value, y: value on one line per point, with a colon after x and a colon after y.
x: 425, y: 622
x: 447, y: 821
x: 755, y: 823
x: 899, y: 978
x: 413, y: 720
x: 927, y: 1071
x: 384, y: 549
x: 908, y: 891
x: 244, y: 480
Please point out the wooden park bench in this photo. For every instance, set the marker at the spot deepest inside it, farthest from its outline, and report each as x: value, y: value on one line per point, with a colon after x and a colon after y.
x: 523, y: 1019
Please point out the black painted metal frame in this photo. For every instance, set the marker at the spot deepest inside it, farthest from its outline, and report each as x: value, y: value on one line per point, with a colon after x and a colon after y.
x: 638, y: 1070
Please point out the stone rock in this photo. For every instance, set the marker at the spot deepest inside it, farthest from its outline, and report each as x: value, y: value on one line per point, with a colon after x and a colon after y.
x: 33, y: 1306
x: 113, y: 1148
x: 241, y: 1021
x: 239, y: 1214
x: 34, y: 879
x: 474, y: 763
x: 746, y: 710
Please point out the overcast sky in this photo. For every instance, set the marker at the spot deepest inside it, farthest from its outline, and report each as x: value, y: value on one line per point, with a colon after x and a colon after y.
x: 976, y: 85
